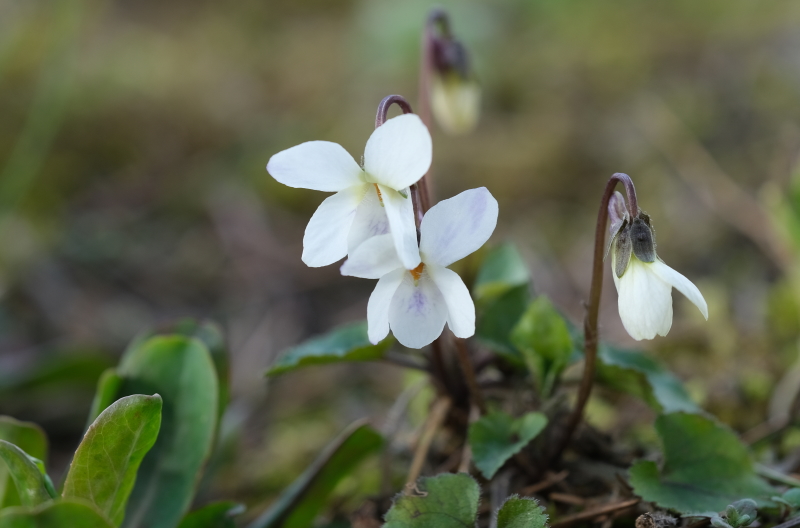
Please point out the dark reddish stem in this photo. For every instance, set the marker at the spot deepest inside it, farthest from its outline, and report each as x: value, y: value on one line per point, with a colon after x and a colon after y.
x: 389, y: 100
x: 593, y: 309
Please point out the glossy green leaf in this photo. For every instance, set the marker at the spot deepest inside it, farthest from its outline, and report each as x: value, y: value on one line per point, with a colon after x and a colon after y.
x: 346, y: 343
x: 104, y: 468
x: 496, y: 437
x: 28, y: 479
x: 30, y: 438
x: 214, y: 515
x: 61, y: 513
x: 496, y: 320
x: 444, y: 501
x: 502, y: 269
x: 638, y: 374
x: 301, y: 502
x: 543, y: 338
x: 180, y: 369
x: 519, y: 512
x: 705, y: 468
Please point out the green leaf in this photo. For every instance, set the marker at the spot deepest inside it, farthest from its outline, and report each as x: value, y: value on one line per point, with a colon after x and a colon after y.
x: 61, y: 513
x: 104, y: 468
x: 543, y: 338
x: 638, y: 374
x: 706, y: 467
x: 214, y: 515
x: 792, y: 497
x: 498, y: 317
x: 28, y: 479
x: 300, y: 503
x: 30, y: 438
x: 346, y: 343
x: 502, y: 269
x: 211, y: 335
x: 519, y: 512
x: 180, y: 369
x: 107, y: 389
x: 496, y: 437
x: 444, y: 501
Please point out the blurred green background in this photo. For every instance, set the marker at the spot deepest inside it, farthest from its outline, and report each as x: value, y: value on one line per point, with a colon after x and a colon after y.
x: 133, y: 141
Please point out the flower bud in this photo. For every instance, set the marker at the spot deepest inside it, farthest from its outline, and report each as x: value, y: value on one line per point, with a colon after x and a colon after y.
x: 455, y: 94
x: 643, y: 239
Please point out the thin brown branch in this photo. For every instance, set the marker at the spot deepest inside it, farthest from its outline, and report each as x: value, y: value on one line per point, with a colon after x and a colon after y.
x: 432, y: 424
x: 596, y: 512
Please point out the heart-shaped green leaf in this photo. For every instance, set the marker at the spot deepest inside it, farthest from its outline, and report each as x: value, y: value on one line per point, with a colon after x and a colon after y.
x: 181, y: 370
x: 28, y: 479
x: 706, y: 467
x: 638, y: 374
x: 518, y: 512
x: 299, y: 505
x: 61, y: 513
x: 443, y: 501
x: 496, y: 437
x: 30, y: 438
x: 103, y: 471
x: 346, y: 343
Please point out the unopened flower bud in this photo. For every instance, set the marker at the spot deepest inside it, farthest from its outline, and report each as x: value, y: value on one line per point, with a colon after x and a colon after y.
x: 455, y: 93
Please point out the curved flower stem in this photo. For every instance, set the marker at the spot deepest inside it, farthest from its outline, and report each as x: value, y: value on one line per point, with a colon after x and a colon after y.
x: 593, y: 308
x: 386, y: 102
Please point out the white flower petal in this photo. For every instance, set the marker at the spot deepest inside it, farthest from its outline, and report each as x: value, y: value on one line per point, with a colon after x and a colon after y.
x: 400, y: 213
x: 317, y: 165
x: 373, y: 259
x: 378, y: 306
x: 325, y: 240
x: 417, y: 312
x: 682, y: 284
x: 645, y: 301
x: 454, y: 228
x: 460, y: 308
x: 399, y: 152
x: 370, y: 220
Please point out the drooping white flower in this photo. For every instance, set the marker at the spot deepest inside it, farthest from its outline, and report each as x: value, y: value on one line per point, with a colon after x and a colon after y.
x: 369, y: 201
x: 644, y: 283
x: 417, y: 302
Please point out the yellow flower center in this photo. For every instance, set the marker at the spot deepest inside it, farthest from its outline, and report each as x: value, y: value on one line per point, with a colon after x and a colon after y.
x: 378, y: 190
x: 417, y: 272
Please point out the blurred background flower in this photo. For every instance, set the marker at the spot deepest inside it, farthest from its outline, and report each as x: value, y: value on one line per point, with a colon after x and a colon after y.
x: 133, y: 142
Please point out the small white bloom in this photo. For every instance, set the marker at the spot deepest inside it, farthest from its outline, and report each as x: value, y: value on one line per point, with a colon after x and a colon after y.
x: 369, y: 201
x: 417, y: 302
x: 644, y: 283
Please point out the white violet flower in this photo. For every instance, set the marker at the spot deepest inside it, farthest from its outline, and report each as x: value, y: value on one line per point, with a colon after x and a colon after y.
x: 644, y: 283
x: 415, y: 302
x: 369, y: 201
